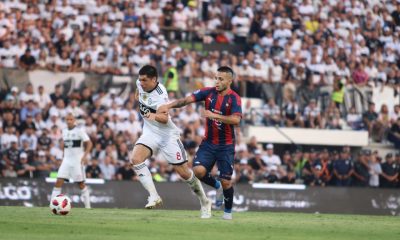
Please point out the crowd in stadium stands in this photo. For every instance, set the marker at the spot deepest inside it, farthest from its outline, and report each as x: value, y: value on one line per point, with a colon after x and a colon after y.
x: 295, y: 52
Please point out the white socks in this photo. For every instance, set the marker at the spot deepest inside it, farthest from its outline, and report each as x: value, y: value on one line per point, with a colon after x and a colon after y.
x: 55, y: 192
x: 145, y: 178
x: 197, y: 188
x: 85, y: 197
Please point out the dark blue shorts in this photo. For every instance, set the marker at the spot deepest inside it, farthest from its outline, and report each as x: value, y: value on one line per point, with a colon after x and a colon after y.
x: 208, y: 154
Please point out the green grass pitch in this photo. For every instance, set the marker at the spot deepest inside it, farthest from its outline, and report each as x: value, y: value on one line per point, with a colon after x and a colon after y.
x: 39, y: 223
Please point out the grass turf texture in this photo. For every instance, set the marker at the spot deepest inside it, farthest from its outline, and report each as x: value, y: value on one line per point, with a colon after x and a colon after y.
x: 39, y: 223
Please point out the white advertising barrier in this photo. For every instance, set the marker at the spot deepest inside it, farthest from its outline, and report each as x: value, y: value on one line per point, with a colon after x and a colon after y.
x: 309, y: 136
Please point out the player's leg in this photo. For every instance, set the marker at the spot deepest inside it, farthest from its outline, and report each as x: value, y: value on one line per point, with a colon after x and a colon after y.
x: 140, y: 153
x: 57, y: 188
x: 225, y: 167
x: 62, y: 174
x: 174, y: 152
x: 202, y: 165
x: 195, y: 184
x: 85, y: 194
x: 77, y: 173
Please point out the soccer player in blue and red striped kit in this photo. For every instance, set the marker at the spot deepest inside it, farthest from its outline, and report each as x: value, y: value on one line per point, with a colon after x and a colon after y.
x: 223, y: 112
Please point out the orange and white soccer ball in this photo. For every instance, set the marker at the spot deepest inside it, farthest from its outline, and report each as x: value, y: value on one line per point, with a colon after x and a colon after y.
x: 60, y: 205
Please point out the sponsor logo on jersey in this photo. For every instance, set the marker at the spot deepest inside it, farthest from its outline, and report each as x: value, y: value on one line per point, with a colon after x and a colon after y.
x: 145, y: 110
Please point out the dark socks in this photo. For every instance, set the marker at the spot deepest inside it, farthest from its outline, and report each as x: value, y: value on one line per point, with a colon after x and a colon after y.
x: 209, y: 180
x: 228, y: 199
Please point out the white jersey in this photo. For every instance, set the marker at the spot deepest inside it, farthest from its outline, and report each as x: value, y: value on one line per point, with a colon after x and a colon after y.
x: 149, y: 102
x: 73, y: 144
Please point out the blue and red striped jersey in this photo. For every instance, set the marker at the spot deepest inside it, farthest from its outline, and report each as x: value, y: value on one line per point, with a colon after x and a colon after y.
x: 217, y: 132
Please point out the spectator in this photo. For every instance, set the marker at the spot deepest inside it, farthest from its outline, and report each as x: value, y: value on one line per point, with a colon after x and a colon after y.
x: 243, y: 172
x: 180, y: 21
x: 375, y: 170
x: 382, y: 124
x: 361, y: 170
x: 27, y: 94
x: 323, y: 169
x: 394, y: 134
x: 353, y: 119
x: 171, y: 79
x: 288, y: 168
x: 126, y: 173
x: 271, y: 159
x: 24, y: 169
x: 292, y: 114
x: 93, y: 170
x: 29, y: 138
x: 390, y: 172
x: 28, y: 123
x: 108, y: 168
x: 240, y: 26
x: 272, y: 114
x: 43, y: 99
x: 42, y: 165
x: 343, y: 169
x: 57, y: 94
x: 360, y: 77
x: 27, y: 61
x: 8, y: 137
x: 11, y: 154
x: 44, y: 141
x: 63, y: 63
x: 257, y: 165
x: 312, y: 115
x: 369, y: 118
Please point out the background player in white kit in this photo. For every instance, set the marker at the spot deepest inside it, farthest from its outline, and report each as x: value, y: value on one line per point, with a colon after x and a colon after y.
x: 77, y: 147
x: 160, y: 133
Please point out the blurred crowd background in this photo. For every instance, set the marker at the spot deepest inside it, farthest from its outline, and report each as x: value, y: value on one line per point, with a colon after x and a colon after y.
x: 297, y: 57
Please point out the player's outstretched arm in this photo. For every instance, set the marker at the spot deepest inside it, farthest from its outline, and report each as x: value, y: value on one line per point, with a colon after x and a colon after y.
x: 233, y: 119
x: 177, y: 104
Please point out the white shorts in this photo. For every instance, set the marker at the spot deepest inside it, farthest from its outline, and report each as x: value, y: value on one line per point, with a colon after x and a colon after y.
x: 171, y: 148
x: 75, y: 172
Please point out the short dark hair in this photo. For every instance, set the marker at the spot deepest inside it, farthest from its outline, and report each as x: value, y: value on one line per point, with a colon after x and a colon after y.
x: 149, y: 71
x: 226, y: 69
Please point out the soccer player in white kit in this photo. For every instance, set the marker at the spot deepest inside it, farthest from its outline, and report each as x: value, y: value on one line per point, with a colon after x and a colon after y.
x: 77, y: 147
x: 160, y: 133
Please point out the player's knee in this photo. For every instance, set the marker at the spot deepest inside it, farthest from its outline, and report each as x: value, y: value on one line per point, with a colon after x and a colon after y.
x: 199, y: 171
x: 226, y: 184
x: 81, y: 185
x: 135, y: 160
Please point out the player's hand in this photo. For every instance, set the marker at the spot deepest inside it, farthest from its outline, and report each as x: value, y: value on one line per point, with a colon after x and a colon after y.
x: 208, y: 114
x: 84, y: 160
